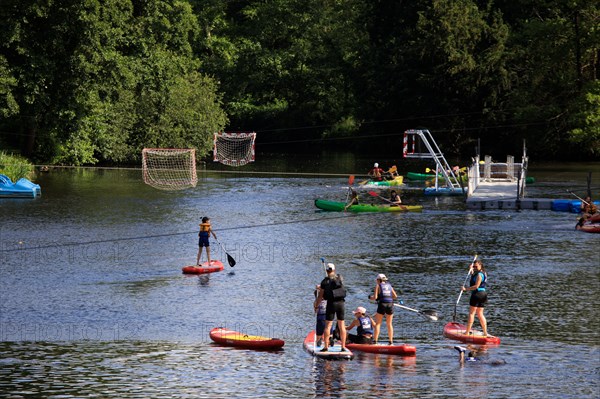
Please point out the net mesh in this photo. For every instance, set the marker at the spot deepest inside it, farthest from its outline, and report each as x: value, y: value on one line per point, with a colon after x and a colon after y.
x: 234, y: 149
x: 169, y: 168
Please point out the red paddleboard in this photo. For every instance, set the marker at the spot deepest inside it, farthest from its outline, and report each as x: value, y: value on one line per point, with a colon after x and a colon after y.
x: 400, y: 350
x: 454, y: 330
x: 228, y: 337
x: 215, y: 266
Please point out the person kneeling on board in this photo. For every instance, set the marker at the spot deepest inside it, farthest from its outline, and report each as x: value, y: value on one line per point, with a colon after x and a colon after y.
x: 364, y: 330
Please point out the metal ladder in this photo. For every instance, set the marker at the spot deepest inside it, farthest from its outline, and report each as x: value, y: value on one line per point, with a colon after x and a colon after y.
x: 411, y: 139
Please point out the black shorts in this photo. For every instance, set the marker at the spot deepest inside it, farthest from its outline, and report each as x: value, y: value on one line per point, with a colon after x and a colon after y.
x: 203, y: 241
x: 358, y: 339
x: 478, y: 299
x: 334, y: 310
x: 385, y: 308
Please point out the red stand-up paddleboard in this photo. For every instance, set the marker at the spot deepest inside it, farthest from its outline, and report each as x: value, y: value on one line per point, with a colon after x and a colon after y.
x: 228, y: 337
x: 215, y: 266
x: 399, y: 350
x: 454, y: 330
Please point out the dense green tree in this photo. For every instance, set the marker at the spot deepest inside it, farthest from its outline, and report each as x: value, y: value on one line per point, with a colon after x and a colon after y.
x: 97, y: 78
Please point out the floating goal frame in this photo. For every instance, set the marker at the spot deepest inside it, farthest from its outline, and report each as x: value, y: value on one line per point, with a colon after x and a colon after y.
x: 169, y: 168
x: 238, y: 157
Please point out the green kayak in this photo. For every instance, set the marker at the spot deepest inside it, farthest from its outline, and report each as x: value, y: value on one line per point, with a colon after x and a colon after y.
x: 421, y: 176
x: 396, y: 181
x: 339, y: 207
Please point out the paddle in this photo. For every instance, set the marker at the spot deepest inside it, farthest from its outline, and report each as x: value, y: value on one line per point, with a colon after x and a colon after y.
x: 578, y: 197
x: 351, y: 180
x: 459, y: 295
x: 230, y: 259
x: 374, y: 194
x: 429, y: 314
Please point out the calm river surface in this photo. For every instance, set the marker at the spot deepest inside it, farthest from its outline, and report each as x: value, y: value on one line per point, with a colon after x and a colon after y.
x: 93, y: 302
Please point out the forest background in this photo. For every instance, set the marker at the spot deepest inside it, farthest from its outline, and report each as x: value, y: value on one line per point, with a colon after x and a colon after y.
x: 87, y: 82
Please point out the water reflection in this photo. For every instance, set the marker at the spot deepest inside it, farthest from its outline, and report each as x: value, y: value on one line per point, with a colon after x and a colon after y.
x: 329, y: 378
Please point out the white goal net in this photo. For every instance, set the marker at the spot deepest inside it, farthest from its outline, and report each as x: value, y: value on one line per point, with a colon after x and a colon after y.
x: 234, y: 149
x: 169, y: 168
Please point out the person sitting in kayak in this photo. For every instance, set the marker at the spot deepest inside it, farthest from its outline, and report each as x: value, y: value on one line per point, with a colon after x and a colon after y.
x: 384, y: 295
x: 376, y: 172
x: 588, y: 209
x: 364, y: 330
x: 353, y: 200
x: 395, y: 199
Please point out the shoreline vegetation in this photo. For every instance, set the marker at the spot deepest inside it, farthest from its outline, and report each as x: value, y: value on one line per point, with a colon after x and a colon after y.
x: 88, y: 84
x: 15, y: 166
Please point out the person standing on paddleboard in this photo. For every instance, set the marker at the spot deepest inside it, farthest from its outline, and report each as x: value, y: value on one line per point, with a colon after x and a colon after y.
x: 478, y: 297
x: 205, y: 232
x: 364, y: 330
x: 333, y: 290
x: 385, y: 296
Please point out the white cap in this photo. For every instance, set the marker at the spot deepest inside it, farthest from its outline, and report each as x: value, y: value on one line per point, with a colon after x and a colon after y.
x: 330, y: 266
x: 381, y: 277
x: 360, y: 309
x: 376, y: 165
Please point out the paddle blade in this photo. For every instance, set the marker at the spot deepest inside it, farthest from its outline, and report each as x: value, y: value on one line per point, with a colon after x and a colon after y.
x: 230, y: 260
x: 351, y: 180
x: 431, y: 315
x: 373, y: 194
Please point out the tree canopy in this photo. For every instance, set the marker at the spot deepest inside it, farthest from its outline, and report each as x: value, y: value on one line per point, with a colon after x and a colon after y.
x: 91, y: 81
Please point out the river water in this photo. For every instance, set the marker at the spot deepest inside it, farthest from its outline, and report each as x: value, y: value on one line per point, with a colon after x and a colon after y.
x: 93, y: 302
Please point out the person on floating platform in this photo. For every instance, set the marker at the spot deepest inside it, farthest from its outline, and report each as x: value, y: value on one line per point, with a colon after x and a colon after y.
x: 365, y: 325
x: 395, y: 199
x: 376, y: 172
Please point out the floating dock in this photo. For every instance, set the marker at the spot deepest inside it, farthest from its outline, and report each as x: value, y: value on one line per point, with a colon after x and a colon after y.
x: 501, y: 186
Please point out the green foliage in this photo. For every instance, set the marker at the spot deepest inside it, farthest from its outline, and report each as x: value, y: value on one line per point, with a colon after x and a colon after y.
x: 15, y: 167
x: 96, y: 81
x: 587, y: 137
x: 8, y: 104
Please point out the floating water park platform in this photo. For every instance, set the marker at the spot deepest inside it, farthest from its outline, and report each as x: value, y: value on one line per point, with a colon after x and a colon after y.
x: 502, y: 186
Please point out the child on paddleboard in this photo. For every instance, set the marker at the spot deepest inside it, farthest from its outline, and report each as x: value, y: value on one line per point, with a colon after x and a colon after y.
x: 205, y: 232
x: 321, y: 312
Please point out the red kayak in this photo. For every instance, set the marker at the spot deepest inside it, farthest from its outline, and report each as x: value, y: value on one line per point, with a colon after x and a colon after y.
x: 400, y: 350
x: 454, y: 330
x: 590, y: 227
x: 227, y: 337
x: 215, y: 266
